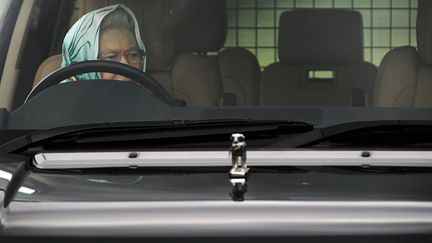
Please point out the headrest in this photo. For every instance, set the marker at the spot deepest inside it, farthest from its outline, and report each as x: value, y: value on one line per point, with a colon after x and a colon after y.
x: 320, y: 36
x: 47, y: 67
x: 424, y: 31
x: 199, y: 25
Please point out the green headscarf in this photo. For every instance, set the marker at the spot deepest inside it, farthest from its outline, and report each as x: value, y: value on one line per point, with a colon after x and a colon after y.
x: 81, y: 43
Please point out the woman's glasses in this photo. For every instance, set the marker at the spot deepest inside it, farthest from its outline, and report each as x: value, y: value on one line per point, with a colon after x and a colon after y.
x: 134, y: 57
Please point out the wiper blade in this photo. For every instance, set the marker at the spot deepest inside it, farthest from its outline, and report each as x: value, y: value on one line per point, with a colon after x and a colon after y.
x: 390, y: 132
x: 139, y: 131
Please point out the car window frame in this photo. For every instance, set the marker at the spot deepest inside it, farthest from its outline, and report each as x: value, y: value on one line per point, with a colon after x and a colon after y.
x: 7, y: 28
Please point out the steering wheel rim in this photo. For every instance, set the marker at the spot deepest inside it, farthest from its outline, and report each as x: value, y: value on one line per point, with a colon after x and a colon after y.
x: 103, y: 66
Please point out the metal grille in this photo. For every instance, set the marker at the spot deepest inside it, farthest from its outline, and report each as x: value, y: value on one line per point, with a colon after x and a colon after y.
x: 387, y: 24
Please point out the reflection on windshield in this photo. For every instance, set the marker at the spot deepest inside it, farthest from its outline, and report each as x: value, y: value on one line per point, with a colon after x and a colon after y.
x: 236, y: 59
x: 8, y: 176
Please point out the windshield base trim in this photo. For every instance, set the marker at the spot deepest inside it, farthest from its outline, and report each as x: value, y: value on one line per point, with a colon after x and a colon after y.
x: 87, y: 160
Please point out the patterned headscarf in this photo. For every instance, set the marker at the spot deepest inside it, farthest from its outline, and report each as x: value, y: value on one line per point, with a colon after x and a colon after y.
x: 81, y: 43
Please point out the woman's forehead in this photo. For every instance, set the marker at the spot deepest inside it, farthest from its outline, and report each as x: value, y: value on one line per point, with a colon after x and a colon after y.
x: 117, y: 39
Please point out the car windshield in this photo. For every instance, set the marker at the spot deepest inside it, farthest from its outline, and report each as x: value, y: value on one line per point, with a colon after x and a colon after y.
x: 323, y: 63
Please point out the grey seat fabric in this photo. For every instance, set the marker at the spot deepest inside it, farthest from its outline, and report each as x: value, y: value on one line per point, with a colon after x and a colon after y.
x: 405, y: 73
x: 202, y: 75
x: 313, y: 41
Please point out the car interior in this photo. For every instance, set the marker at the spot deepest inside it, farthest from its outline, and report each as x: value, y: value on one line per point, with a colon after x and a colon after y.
x: 188, y: 55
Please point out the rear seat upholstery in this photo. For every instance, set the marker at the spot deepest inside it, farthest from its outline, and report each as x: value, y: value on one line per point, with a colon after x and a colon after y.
x: 405, y: 73
x: 314, y: 40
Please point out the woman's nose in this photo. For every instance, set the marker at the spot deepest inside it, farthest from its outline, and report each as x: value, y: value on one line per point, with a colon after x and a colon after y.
x: 123, y: 60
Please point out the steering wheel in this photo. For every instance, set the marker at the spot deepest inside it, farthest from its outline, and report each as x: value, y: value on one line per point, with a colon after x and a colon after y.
x: 153, y: 86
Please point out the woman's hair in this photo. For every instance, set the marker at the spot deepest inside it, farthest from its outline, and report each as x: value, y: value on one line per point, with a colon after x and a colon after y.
x: 118, y: 18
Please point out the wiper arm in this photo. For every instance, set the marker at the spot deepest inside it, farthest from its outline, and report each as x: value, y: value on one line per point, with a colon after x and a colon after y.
x: 363, y: 133
x: 122, y: 132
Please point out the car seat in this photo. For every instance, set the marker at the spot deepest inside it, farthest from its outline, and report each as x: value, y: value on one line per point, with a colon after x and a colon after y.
x: 202, y: 73
x: 405, y: 73
x: 321, y: 61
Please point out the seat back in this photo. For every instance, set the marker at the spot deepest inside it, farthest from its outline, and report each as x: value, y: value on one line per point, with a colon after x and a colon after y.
x: 321, y: 61
x: 229, y: 76
x: 198, y: 27
x: 405, y: 73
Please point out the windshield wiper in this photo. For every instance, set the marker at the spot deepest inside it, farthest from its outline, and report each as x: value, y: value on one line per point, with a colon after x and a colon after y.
x: 365, y: 133
x: 144, y: 131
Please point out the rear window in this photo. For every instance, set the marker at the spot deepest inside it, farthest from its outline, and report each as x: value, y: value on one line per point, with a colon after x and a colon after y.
x: 253, y: 24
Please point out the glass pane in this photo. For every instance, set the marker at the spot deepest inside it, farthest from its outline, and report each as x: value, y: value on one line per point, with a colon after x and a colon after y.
x: 265, y: 3
x: 400, y: 18
x: 324, y: 4
x: 247, y: 18
x: 343, y: 4
x: 231, y: 39
x: 362, y: 3
x: 386, y: 23
x: 266, y: 56
x: 304, y: 4
x: 285, y: 3
x: 381, y: 18
x: 400, y: 37
x: 400, y: 3
x: 266, y: 38
x: 266, y: 18
x: 246, y: 3
x: 413, y: 18
x: 367, y: 41
x: 413, y: 37
x: 381, y: 37
x: 247, y: 38
x: 366, y: 14
x: 381, y: 3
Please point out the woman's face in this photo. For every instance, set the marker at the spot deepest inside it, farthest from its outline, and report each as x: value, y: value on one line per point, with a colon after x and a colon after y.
x: 119, y: 44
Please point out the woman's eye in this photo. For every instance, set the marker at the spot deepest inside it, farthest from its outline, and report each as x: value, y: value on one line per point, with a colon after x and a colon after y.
x: 134, y: 55
x: 110, y: 57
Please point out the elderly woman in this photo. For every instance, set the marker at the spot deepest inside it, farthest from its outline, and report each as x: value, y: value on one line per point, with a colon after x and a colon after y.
x: 109, y: 33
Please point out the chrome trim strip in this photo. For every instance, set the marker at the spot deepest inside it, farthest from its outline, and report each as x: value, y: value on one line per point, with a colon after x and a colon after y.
x: 221, y: 158
x: 218, y: 218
